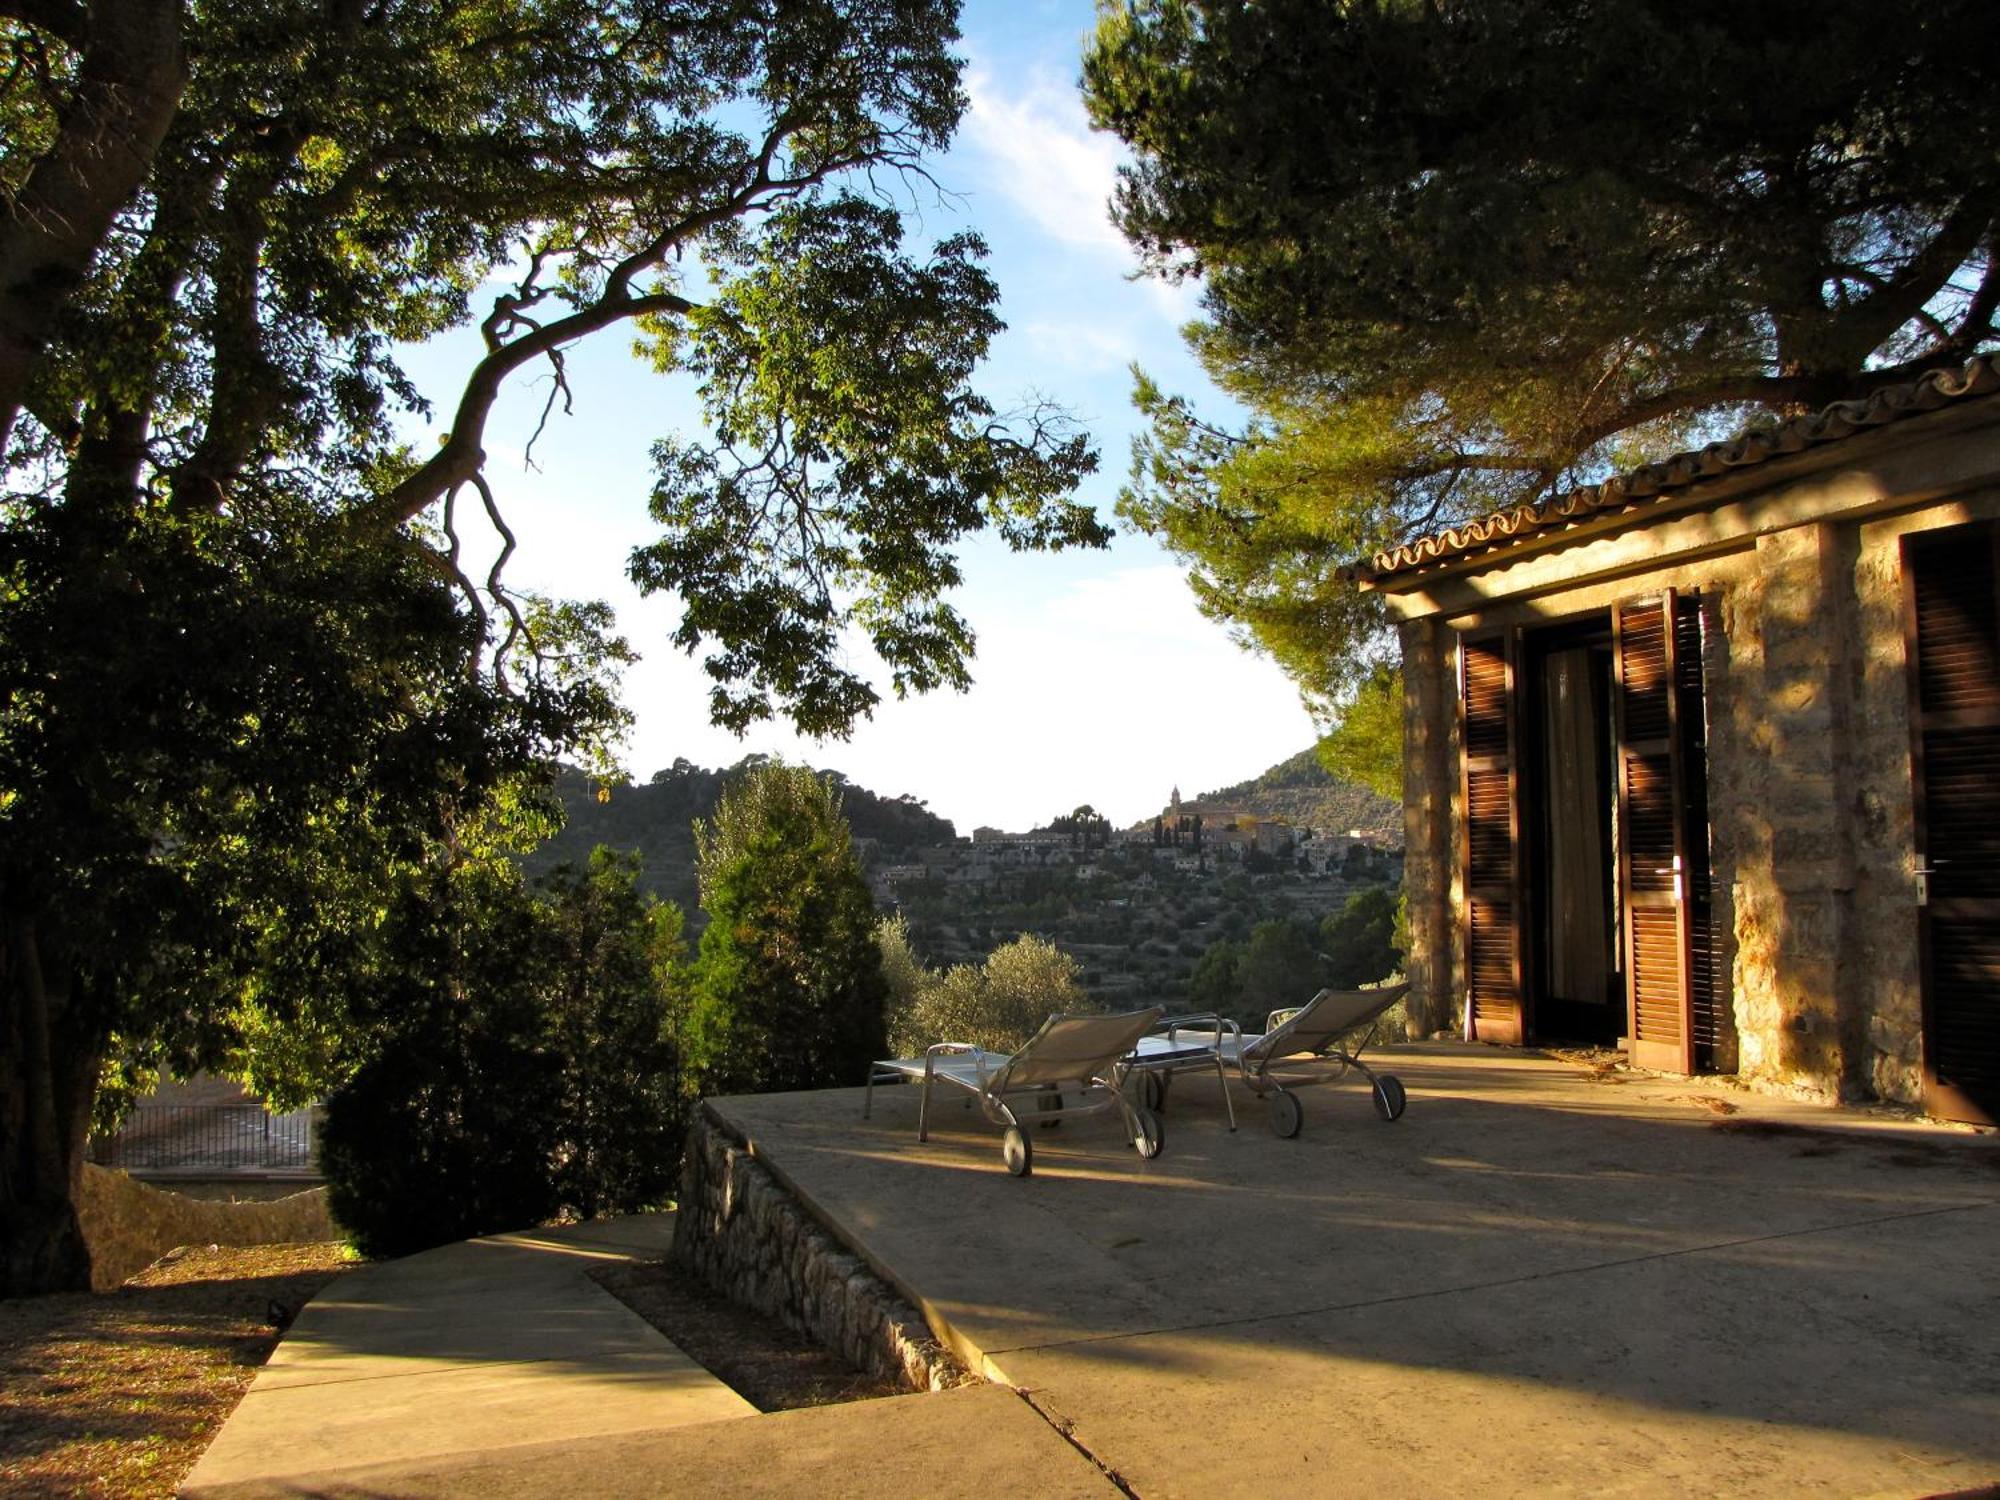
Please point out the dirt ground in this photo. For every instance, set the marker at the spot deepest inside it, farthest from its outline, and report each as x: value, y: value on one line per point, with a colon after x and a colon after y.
x: 118, y: 1394
x: 764, y: 1362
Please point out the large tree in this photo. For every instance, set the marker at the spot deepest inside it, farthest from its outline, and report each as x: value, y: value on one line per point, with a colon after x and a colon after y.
x: 247, y: 667
x: 1462, y: 254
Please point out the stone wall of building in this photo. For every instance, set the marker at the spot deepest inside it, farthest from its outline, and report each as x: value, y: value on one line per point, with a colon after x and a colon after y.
x: 1884, y: 974
x: 129, y: 1225
x: 751, y: 1240
x: 1778, y: 762
x: 1430, y: 779
x: 1812, y: 839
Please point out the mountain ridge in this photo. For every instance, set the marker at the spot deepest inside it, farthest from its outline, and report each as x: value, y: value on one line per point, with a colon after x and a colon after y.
x: 1305, y: 794
x: 656, y: 817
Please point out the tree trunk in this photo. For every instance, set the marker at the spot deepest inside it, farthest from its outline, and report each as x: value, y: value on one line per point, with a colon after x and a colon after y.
x: 47, y: 1087
x: 128, y: 87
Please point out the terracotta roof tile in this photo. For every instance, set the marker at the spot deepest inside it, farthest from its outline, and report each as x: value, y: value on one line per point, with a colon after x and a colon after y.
x: 1843, y: 419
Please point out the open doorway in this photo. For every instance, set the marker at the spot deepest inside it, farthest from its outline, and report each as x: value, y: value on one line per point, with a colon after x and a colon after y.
x: 1575, y: 977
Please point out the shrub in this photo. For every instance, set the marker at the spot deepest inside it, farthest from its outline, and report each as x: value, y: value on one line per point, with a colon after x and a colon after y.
x: 997, y: 1005
x: 619, y: 981
x: 444, y: 1131
x: 522, y: 1059
x: 788, y: 987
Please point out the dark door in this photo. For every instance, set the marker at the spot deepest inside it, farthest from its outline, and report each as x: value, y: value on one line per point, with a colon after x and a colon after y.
x: 1951, y: 581
x: 1494, y: 988
x: 1663, y: 877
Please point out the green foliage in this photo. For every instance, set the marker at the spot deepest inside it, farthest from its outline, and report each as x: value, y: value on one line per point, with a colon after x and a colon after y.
x: 788, y: 983
x: 997, y: 1005
x: 1366, y: 745
x: 1285, y: 961
x: 445, y: 1131
x: 656, y: 819
x: 905, y: 979
x: 1460, y: 257
x: 519, y: 1057
x: 1307, y: 792
x: 1281, y: 965
x: 1360, y: 942
x: 843, y: 365
x: 246, y: 685
x: 619, y: 987
x: 1212, y: 986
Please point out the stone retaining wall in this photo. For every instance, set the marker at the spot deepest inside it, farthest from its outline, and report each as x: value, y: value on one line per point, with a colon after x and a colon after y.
x: 748, y: 1238
x: 129, y: 1225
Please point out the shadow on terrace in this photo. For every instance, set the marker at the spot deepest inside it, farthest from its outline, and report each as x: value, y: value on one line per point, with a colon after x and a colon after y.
x: 1642, y: 1285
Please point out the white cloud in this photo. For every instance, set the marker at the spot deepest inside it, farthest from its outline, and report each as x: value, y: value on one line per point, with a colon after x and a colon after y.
x: 1045, y: 157
x: 1087, y: 348
x: 1179, y: 300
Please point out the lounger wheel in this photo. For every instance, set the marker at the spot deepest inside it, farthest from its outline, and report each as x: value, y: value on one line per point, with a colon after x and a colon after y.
x: 1390, y: 1098
x: 1286, y: 1114
x: 1153, y: 1090
x: 1152, y: 1137
x: 1018, y: 1151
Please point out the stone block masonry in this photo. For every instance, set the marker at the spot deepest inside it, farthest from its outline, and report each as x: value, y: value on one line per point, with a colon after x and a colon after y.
x: 751, y: 1240
x: 129, y: 1225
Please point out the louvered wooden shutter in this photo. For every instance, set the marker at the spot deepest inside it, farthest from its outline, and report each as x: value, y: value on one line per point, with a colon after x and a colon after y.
x: 1487, y: 713
x: 1653, y: 857
x: 1952, y: 584
x: 1711, y: 1016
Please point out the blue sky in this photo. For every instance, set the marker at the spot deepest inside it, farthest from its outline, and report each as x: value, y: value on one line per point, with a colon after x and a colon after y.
x: 1096, y: 680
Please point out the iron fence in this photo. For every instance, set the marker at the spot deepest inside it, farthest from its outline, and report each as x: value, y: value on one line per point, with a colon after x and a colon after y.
x: 164, y: 1136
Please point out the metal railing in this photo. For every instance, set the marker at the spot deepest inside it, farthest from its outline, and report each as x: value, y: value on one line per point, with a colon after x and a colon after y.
x: 172, y: 1136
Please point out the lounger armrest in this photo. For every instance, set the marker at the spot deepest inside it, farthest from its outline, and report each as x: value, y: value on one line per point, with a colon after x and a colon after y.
x: 1279, y: 1016
x: 1221, y: 1025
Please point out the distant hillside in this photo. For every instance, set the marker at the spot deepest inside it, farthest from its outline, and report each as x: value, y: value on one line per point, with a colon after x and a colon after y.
x: 1302, y: 792
x: 657, y: 819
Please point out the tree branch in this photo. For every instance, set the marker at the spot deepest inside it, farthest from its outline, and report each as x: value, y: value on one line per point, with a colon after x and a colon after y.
x: 461, y: 456
x: 1902, y: 297
x: 1977, y: 324
x: 1763, y: 390
x: 243, y: 393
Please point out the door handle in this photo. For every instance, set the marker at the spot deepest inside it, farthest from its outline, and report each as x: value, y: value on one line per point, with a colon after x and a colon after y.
x: 1923, y: 872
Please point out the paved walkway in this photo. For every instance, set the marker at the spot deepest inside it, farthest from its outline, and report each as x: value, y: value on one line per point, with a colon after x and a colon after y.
x: 497, y: 1369
x: 1535, y: 1283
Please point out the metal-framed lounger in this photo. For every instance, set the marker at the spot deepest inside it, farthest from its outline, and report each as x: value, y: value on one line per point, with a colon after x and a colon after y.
x: 1314, y: 1031
x: 1084, y: 1053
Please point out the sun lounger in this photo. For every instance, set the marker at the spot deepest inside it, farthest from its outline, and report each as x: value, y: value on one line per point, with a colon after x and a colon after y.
x: 1312, y: 1033
x: 1315, y: 1033
x: 1076, y: 1055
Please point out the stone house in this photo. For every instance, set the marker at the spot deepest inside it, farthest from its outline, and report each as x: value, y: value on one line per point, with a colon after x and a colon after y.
x: 1705, y: 760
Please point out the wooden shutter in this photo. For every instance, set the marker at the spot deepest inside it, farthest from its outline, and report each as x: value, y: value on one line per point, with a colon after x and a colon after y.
x: 1952, y: 593
x: 1488, y: 674
x: 1711, y: 1016
x: 1655, y: 864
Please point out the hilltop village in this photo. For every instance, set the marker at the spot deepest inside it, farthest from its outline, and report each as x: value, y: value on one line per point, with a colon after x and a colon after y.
x: 1137, y: 907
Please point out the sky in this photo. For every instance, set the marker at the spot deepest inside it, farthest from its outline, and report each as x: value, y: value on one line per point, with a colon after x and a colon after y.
x: 1096, y: 680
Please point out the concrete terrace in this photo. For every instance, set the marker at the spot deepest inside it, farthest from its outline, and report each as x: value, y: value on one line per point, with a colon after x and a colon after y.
x: 1537, y: 1282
